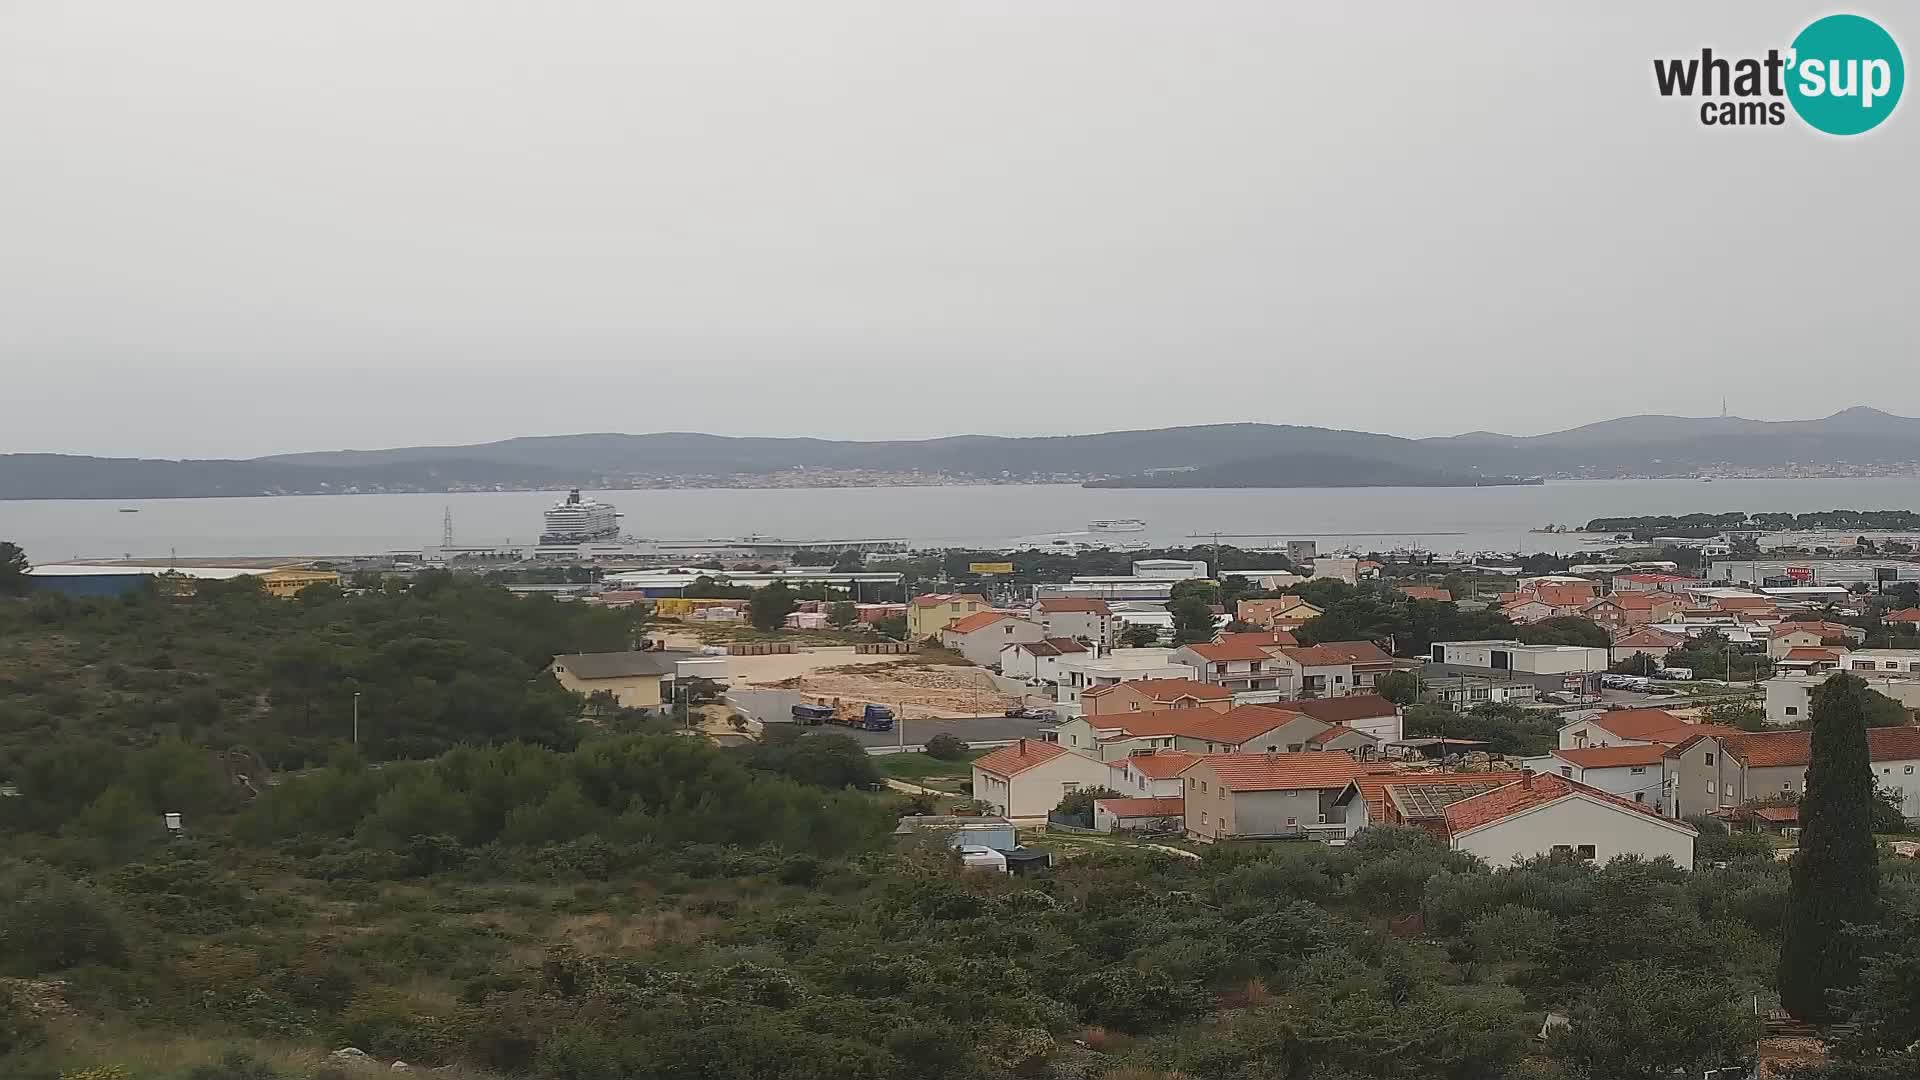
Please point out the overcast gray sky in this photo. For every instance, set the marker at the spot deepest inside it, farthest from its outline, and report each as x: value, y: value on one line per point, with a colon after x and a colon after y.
x: 235, y: 227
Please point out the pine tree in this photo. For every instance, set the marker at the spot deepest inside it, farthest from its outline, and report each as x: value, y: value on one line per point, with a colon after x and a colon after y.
x: 1836, y: 874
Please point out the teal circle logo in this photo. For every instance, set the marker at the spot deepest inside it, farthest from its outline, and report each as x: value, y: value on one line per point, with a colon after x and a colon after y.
x: 1846, y: 74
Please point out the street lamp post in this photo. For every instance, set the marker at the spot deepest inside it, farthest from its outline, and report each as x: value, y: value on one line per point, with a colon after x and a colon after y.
x: 356, y: 719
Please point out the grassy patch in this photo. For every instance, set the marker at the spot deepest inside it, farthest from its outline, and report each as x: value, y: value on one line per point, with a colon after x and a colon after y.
x: 923, y: 766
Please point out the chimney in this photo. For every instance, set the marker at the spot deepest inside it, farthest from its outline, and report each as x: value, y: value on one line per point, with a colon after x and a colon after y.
x: 1526, y: 779
x: 1020, y: 748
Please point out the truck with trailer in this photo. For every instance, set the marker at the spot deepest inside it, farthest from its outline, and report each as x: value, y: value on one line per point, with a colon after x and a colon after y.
x: 868, y: 717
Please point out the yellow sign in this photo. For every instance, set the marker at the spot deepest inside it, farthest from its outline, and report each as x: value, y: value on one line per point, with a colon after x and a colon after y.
x: 990, y: 568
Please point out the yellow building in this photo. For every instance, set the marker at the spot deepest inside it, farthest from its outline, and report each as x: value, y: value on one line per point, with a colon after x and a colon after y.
x: 928, y: 615
x: 288, y: 581
x: 633, y: 678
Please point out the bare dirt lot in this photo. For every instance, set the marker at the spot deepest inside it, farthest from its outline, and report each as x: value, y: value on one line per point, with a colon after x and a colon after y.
x: 914, y: 687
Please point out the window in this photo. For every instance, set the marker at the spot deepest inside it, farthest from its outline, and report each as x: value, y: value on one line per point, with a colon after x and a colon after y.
x: 1793, y: 710
x: 1586, y: 852
x: 1785, y: 785
x: 1562, y: 849
x: 1203, y: 785
x: 1639, y: 796
x: 1709, y: 787
x: 1273, y: 749
x: 1219, y: 669
x: 1730, y: 789
x: 1636, y: 770
x: 1908, y: 770
x: 1710, y: 756
x: 1069, y: 787
x: 1566, y: 771
x: 1293, y: 747
x: 1292, y: 822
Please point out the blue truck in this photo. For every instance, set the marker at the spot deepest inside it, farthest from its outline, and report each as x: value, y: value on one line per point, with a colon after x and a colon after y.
x: 868, y: 718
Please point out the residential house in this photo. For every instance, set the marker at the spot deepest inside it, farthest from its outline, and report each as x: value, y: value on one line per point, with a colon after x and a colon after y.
x: 1624, y: 612
x: 1279, y: 613
x: 1636, y: 772
x: 1804, y: 660
x: 1094, y: 670
x: 1243, y: 729
x: 1383, y: 795
x: 1630, y: 727
x: 1646, y: 639
x: 1552, y: 814
x: 1369, y: 713
x: 1529, y: 610
x: 1908, y: 618
x: 1153, y: 695
x: 1720, y: 771
x: 1889, y: 661
x: 1789, y: 636
x: 1162, y: 815
x: 1265, y: 639
x: 1037, y: 660
x: 1653, y: 583
x: 1426, y: 592
x: 927, y: 615
x: 1368, y: 661
x: 1324, y: 670
x: 1150, y: 774
x: 1837, y: 633
x: 1265, y: 796
x: 1029, y: 778
x: 1087, y: 620
x: 633, y: 678
x: 1340, y: 737
x: 980, y: 637
x: 1239, y: 666
x: 1789, y: 696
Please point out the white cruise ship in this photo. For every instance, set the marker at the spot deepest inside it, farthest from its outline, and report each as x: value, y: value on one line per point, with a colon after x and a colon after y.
x: 1117, y: 525
x: 574, y: 520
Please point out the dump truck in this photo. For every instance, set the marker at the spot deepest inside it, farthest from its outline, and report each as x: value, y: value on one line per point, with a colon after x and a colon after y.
x: 868, y: 717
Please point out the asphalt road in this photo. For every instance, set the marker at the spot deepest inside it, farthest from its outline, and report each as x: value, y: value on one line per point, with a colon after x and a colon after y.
x: 776, y: 706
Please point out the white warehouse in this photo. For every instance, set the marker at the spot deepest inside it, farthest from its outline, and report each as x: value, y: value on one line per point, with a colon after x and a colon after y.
x: 1515, y: 656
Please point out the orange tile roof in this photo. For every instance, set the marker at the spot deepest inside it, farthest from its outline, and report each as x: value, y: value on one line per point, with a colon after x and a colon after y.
x: 1220, y: 652
x: 1812, y: 653
x: 1426, y: 592
x: 1376, y: 783
x: 979, y: 620
x: 1164, y: 690
x: 1316, y: 656
x: 1058, y: 605
x: 1338, y: 710
x: 1777, y: 814
x: 1158, y: 765
x: 1563, y: 595
x: 1334, y: 732
x: 1018, y: 758
x: 1529, y: 792
x: 1646, y: 636
x: 1053, y: 646
x: 1773, y: 749
x: 1258, y: 637
x: 1232, y: 727
x: 937, y: 599
x: 1613, y: 757
x: 1636, y: 723
x: 1358, y: 652
x: 1904, y: 615
x: 1130, y: 808
x: 1281, y: 772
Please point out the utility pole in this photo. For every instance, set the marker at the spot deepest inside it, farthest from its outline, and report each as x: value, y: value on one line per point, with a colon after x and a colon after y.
x: 356, y: 719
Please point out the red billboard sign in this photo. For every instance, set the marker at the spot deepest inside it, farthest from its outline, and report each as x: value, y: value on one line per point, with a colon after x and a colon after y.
x: 1800, y: 573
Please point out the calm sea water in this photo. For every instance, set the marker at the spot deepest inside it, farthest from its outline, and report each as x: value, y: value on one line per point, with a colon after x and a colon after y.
x: 1439, y: 519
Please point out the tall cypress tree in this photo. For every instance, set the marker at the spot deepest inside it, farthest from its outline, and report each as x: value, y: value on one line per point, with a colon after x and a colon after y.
x: 1836, y: 874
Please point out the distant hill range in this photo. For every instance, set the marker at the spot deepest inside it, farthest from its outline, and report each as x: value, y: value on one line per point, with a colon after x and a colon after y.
x: 1213, y: 455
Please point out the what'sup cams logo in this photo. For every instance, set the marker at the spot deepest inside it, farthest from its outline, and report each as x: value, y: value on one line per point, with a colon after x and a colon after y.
x: 1842, y: 75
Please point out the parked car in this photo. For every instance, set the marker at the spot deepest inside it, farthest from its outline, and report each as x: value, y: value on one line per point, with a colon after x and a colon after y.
x: 1023, y: 712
